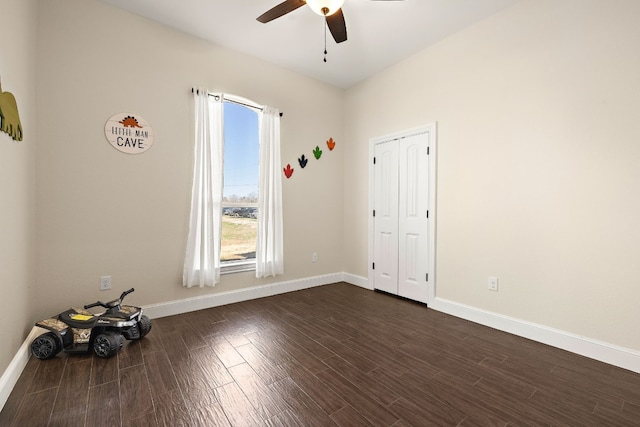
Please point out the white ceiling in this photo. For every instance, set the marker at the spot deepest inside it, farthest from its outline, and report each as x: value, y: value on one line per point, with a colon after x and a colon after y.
x: 380, y: 33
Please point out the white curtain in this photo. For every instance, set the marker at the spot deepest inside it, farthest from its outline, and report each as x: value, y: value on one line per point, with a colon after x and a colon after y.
x: 269, y: 252
x: 202, y: 258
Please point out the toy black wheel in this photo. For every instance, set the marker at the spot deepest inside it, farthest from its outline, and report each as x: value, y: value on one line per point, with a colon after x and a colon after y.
x: 145, y: 325
x: 45, y: 346
x: 107, y: 344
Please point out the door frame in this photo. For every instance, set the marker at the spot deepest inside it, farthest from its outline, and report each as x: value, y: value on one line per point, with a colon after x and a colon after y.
x: 431, y: 130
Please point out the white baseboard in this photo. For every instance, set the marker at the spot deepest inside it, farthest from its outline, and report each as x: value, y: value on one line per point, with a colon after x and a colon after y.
x: 352, y: 279
x: 593, y: 349
x: 215, y: 300
x: 12, y: 373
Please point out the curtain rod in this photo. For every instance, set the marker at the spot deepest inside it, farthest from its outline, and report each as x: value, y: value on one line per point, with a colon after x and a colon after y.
x: 233, y: 100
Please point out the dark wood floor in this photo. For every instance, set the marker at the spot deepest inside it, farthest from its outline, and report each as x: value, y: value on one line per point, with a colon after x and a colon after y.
x: 332, y: 355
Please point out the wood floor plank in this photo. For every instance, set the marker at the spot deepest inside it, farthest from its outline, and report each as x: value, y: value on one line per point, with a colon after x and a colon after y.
x: 160, y: 373
x: 195, y: 386
x: 207, y: 415
x: 12, y: 405
x: 370, y: 409
x: 191, y: 337
x: 265, y: 402
x: 301, y: 355
x: 234, y: 332
x: 303, y: 407
x: 135, y: 393
x: 152, y: 342
x: 451, y: 390
x: 310, y: 345
x: 171, y: 410
x: 368, y: 384
x: 35, y: 409
x: 70, y: 418
x: 130, y: 355
x: 48, y: 374
x: 269, y: 372
x: 73, y: 392
x: 284, y: 419
x: 501, y: 387
x: 103, y: 370
x: 174, y: 347
x: 211, y: 367
x: 349, y: 417
x: 324, y: 396
x: 314, y: 329
x: 148, y: 420
x: 103, y: 409
x: 265, y: 341
x: 236, y: 406
x: 420, y: 389
x: 629, y: 415
x: 380, y: 357
x: 225, y: 351
x: 424, y: 414
x: 608, y: 389
x: 346, y: 352
x: 425, y: 392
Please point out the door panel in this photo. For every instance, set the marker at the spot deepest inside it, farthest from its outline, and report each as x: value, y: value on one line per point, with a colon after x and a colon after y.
x: 386, y: 217
x: 413, y: 174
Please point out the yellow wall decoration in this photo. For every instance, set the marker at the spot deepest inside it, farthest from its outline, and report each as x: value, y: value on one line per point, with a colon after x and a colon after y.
x: 9, y: 117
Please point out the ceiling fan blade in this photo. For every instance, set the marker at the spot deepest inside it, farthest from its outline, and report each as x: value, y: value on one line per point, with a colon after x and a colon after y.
x: 281, y: 9
x: 337, y: 26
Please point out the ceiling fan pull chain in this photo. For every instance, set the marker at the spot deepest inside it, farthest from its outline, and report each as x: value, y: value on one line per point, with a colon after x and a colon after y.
x: 325, y: 39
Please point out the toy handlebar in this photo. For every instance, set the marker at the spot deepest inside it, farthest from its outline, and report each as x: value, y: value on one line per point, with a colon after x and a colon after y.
x: 109, y: 304
x: 95, y: 304
x: 125, y: 293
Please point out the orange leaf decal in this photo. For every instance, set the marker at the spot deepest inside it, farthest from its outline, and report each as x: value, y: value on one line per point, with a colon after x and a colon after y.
x: 288, y: 171
x: 331, y: 144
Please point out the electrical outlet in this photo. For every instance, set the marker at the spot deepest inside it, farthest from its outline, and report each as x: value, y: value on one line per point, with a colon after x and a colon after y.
x: 314, y: 257
x: 105, y: 283
x: 493, y: 284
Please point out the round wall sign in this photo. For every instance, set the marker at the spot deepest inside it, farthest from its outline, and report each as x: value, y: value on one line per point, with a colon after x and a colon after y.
x: 129, y: 133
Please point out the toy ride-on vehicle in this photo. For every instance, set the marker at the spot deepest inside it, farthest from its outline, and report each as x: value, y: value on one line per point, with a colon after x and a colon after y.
x: 80, y: 331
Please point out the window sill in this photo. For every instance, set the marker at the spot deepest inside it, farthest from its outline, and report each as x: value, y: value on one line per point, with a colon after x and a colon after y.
x: 230, y: 267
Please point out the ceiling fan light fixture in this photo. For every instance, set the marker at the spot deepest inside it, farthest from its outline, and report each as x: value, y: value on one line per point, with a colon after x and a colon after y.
x: 319, y: 5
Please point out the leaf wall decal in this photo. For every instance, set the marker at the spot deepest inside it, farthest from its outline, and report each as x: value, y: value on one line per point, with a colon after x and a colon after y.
x: 317, y: 152
x: 302, y: 161
x: 288, y: 171
x: 331, y: 144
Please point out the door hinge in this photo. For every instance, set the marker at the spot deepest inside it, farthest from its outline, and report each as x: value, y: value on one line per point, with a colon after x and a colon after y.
x: 427, y: 214
x: 427, y: 151
x: 427, y: 277
x: 374, y: 160
x: 374, y: 212
x: 373, y: 266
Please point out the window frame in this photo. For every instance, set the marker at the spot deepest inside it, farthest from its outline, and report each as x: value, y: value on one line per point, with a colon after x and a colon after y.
x: 239, y: 266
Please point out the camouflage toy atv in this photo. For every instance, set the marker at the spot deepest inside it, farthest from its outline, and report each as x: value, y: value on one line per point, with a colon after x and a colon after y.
x: 79, y: 331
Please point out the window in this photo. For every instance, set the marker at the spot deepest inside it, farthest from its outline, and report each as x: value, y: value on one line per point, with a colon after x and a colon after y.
x: 203, y: 260
x: 240, y: 190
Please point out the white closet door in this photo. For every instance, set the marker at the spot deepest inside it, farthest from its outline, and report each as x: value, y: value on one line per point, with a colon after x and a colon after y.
x: 400, y: 223
x: 386, y: 217
x: 413, y: 175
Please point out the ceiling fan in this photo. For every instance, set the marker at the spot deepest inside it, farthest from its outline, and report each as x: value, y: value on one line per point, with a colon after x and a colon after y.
x: 330, y: 9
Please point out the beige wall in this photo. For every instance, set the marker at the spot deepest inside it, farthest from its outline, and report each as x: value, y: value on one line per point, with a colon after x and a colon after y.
x: 102, y: 212
x: 17, y: 178
x: 538, y: 151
